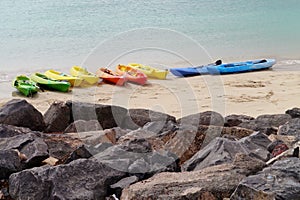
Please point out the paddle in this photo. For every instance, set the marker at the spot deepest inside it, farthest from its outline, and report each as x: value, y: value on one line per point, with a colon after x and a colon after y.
x: 218, y: 62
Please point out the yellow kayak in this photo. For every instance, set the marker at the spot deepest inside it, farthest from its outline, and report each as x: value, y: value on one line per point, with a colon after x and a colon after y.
x: 84, y: 74
x: 151, y: 72
x: 75, y: 81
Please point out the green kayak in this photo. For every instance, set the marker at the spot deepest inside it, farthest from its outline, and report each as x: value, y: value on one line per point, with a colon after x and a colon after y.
x: 50, y: 84
x: 26, y: 86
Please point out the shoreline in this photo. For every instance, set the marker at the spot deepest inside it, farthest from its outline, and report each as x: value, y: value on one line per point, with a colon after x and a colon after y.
x: 254, y: 93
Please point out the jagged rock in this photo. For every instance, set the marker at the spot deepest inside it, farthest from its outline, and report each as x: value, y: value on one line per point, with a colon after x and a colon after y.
x: 205, y: 118
x: 292, y: 127
x: 123, y: 183
x: 80, y: 179
x: 60, y: 146
x: 83, y: 126
x: 80, y: 152
x: 216, y: 182
x: 9, y: 163
x: 20, y: 113
x: 108, y: 116
x: 267, y: 124
x: 234, y: 120
x: 11, y: 131
x: 137, y: 158
x: 294, y: 113
x: 137, y: 118
x: 222, y: 150
x: 279, y: 181
x: 57, y: 117
x: 161, y: 127
x: 95, y: 137
x: 31, y: 145
x: 289, y: 140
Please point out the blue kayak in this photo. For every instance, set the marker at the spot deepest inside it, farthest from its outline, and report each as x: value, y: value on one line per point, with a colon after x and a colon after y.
x: 193, y: 71
x: 238, y: 67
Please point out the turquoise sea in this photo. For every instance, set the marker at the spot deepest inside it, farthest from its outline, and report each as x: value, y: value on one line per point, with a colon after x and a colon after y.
x: 40, y: 34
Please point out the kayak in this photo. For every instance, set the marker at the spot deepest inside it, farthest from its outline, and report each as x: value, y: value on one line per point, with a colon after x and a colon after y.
x: 111, y: 77
x: 193, y: 71
x: 132, y: 74
x: 50, y: 84
x: 75, y: 81
x: 25, y: 85
x: 82, y: 73
x: 238, y: 67
x: 150, y: 72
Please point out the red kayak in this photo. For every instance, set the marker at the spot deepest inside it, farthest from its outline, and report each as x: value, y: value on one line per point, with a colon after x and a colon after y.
x: 111, y: 77
x: 131, y: 74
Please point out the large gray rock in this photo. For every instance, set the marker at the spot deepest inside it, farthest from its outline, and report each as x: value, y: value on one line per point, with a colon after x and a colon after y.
x: 216, y: 182
x: 290, y: 128
x: 137, y: 118
x: 31, y: 145
x: 11, y: 131
x: 279, y: 181
x: 20, y: 113
x: 235, y: 120
x: 223, y: 150
x: 267, y: 124
x: 83, y: 126
x: 205, y: 118
x: 80, y: 179
x: 294, y: 113
x: 108, y: 116
x: 57, y: 117
x: 9, y: 163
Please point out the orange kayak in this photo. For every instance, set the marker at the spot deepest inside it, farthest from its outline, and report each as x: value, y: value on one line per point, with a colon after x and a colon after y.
x: 131, y: 74
x: 111, y: 77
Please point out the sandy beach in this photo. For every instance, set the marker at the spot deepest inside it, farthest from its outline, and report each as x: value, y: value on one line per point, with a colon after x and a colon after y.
x: 252, y: 94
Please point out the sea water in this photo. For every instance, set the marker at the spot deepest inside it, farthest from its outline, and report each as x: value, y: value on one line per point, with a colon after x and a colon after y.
x: 40, y: 34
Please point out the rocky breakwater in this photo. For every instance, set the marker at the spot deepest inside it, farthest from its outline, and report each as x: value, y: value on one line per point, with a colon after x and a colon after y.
x: 80, y: 150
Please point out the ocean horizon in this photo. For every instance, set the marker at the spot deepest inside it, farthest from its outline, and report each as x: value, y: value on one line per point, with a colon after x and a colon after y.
x: 37, y: 35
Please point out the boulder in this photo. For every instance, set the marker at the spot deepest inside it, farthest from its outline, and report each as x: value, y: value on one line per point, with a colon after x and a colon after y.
x: 57, y: 117
x: 80, y: 179
x: 278, y: 181
x: 83, y: 126
x: 216, y: 182
x: 123, y: 183
x: 137, y: 118
x: 108, y: 116
x: 223, y: 150
x: 292, y: 127
x: 32, y: 146
x: 205, y: 118
x: 11, y: 131
x: 161, y: 127
x: 235, y: 120
x: 20, y: 113
x: 10, y: 163
x: 267, y: 124
x: 294, y: 113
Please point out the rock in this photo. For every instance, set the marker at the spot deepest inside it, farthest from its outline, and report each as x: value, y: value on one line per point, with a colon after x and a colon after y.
x: 205, y: 118
x: 235, y: 120
x: 95, y: 137
x: 80, y: 179
x: 217, y: 182
x: 289, y: 140
x: 123, y: 183
x: 279, y: 181
x: 11, y: 131
x: 273, y: 144
x: 108, y: 116
x: 294, y: 113
x: 60, y: 146
x: 31, y: 145
x: 137, y: 118
x: 57, y: 117
x: 80, y: 152
x: 20, y: 113
x: 9, y: 163
x: 292, y: 127
x: 83, y: 126
x: 222, y: 150
x: 267, y: 124
x: 188, y: 140
x: 161, y: 127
